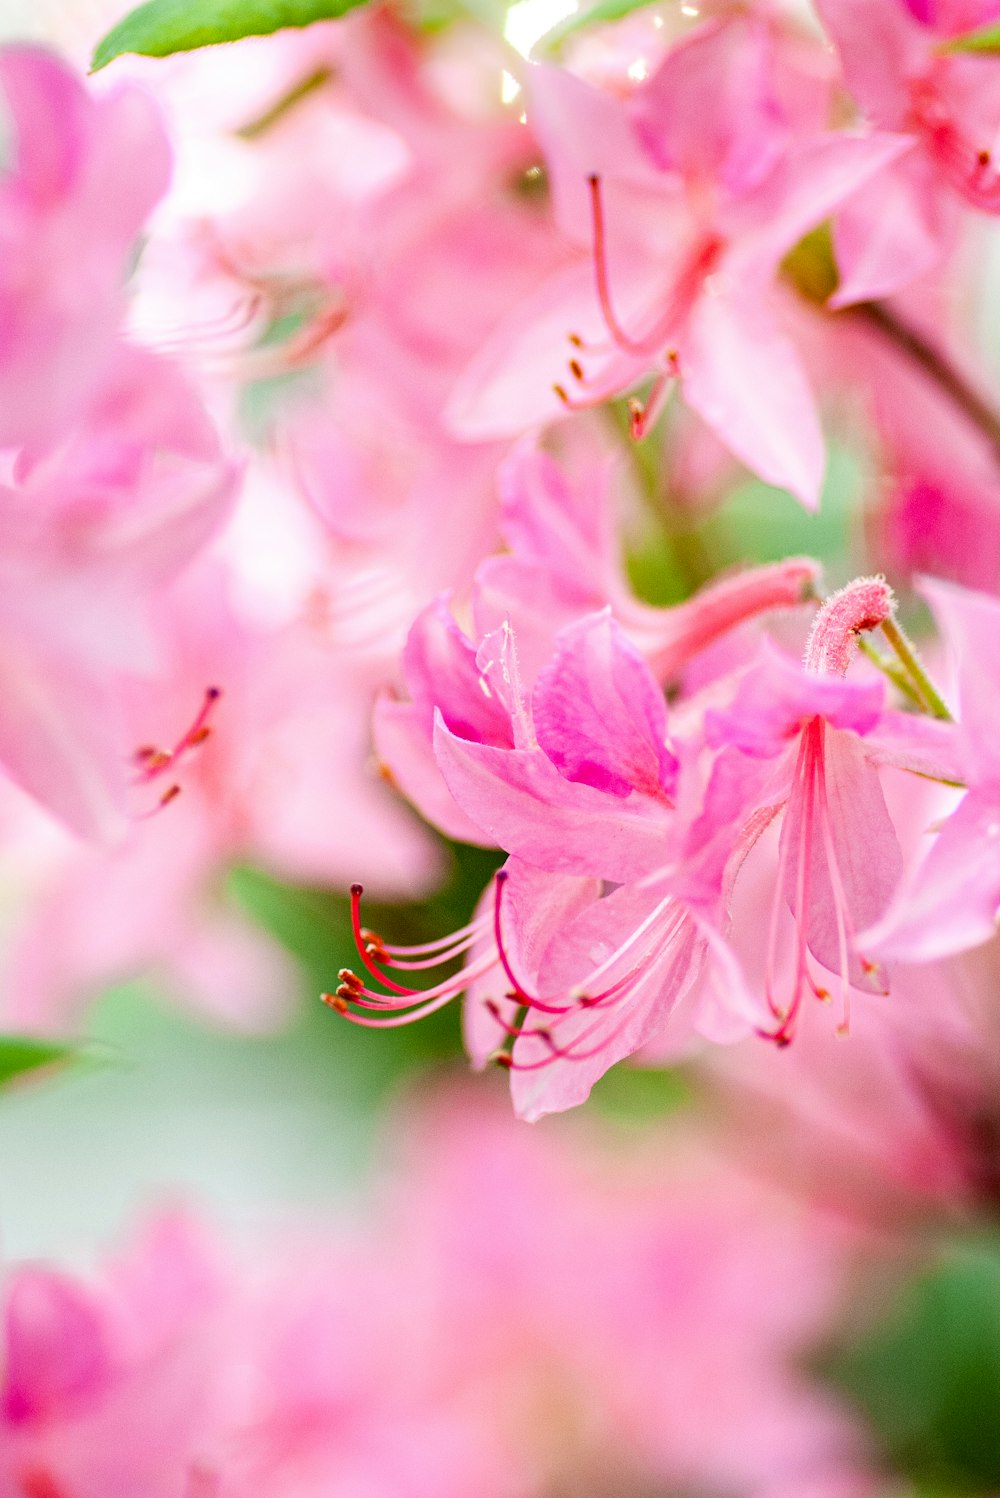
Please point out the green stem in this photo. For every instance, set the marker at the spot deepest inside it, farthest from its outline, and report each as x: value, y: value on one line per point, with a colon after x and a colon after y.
x: 928, y: 692
x: 277, y: 111
x: 935, y: 366
x: 893, y: 671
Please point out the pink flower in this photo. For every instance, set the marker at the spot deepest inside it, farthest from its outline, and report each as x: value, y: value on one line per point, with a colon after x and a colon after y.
x: 505, y: 1277
x: 901, y: 225
x: 86, y: 174
x: 93, y: 528
x: 112, y: 1387
x: 564, y: 560
x: 950, y: 902
x: 839, y: 861
x: 580, y: 782
x: 689, y: 223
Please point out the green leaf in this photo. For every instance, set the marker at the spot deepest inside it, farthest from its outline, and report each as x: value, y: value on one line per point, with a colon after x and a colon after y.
x: 636, y: 1095
x: 927, y: 1376
x: 985, y: 39
x: 161, y: 27
x: 23, y: 1053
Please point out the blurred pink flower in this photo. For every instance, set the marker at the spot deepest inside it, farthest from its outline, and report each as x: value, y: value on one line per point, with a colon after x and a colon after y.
x: 520, y: 1310
x: 699, y: 187
x: 86, y: 174
x: 902, y: 224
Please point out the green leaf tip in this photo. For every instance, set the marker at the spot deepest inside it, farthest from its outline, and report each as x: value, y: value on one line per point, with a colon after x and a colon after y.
x: 26, y: 1053
x: 161, y: 27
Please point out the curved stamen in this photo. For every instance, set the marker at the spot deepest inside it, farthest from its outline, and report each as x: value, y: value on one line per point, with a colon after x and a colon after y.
x: 642, y: 418
x: 626, y: 987
x: 519, y: 992
x: 473, y: 928
x: 154, y: 762
x: 421, y: 1001
x: 804, y: 785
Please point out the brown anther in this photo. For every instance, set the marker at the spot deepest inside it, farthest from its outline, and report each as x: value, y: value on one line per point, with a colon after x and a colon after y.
x: 576, y: 369
x: 384, y: 773
x: 203, y: 733
x: 575, y: 340
x: 983, y: 157
x: 335, y: 1001
x: 151, y: 758
x: 502, y: 1059
x: 823, y: 994
x: 170, y: 794
x: 561, y: 393
x: 350, y: 980
x: 377, y: 949
x: 635, y: 416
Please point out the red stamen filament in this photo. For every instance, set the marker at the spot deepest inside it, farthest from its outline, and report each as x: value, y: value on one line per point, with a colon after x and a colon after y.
x: 404, y: 1005
x: 810, y: 776
x: 155, y: 762
x: 805, y: 781
x: 640, y: 347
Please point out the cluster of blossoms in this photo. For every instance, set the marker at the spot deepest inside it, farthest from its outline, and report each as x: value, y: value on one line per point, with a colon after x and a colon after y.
x: 455, y: 1347
x: 349, y: 378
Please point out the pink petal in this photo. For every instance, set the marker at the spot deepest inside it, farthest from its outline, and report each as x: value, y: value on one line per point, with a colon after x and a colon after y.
x: 861, y: 840
x: 536, y: 908
x: 951, y: 902
x: 509, y: 387
x: 57, y: 1357
x: 970, y: 622
x: 708, y: 110
x: 814, y: 178
x: 893, y: 231
x: 879, y: 46
x: 61, y: 740
x: 519, y: 799
x: 776, y: 697
x: 599, y: 714
x: 603, y: 1034
x: 403, y: 743
x: 583, y: 131
x: 744, y: 379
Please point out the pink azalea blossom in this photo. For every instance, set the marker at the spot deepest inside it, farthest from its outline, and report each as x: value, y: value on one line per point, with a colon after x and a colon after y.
x: 565, y: 560
x: 950, y: 902
x: 688, y: 224
x: 503, y: 1278
x: 86, y: 173
x: 840, y: 860
x: 94, y: 528
x: 578, y: 780
x: 902, y: 224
